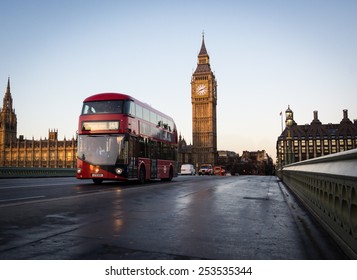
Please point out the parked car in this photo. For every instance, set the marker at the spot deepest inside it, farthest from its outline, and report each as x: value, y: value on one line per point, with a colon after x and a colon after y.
x: 187, y: 169
x: 206, y: 169
x: 219, y: 170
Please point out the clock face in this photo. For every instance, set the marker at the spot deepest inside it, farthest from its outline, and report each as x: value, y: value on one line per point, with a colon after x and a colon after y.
x: 201, y: 89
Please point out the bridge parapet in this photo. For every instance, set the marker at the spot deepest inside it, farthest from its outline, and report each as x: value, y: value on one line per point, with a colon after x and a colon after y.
x: 328, y: 187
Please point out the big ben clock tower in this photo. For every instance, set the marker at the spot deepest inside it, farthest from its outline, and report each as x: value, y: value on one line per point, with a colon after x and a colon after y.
x: 204, y: 102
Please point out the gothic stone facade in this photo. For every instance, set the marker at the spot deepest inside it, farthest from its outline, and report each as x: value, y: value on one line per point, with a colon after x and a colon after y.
x: 19, y: 152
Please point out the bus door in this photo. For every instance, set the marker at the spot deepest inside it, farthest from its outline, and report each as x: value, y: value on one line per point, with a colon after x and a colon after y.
x: 153, y: 169
x: 132, y: 157
x: 153, y: 158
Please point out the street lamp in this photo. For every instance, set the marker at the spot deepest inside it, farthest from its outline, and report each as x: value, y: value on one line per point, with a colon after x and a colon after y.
x: 289, y: 121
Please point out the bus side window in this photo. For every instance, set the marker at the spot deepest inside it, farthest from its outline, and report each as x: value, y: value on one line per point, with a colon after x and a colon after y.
x: 139, y: 111
x: 142, y: 143
x: 153, y: 149
x: 153, y: 118
x: 146, y: 114
x: 129, y: 108
x: 132, y: 109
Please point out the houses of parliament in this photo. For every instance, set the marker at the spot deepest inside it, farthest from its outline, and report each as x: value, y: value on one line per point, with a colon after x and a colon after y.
x: 20, y: 152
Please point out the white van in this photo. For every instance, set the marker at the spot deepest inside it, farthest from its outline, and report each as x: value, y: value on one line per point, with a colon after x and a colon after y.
x: 187, y: 169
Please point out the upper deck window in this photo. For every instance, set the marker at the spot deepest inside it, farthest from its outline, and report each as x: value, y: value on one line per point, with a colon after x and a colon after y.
x: 104, y: 107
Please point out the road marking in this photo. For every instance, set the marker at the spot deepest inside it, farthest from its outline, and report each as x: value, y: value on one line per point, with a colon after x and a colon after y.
x: 85, y: 192
x: 35, y: 186
x: 22, y: 198
x: 15, y: 202
x: 256, y: 197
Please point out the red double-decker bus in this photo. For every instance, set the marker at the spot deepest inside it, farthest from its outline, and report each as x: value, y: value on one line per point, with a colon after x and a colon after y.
x: 121, y: 138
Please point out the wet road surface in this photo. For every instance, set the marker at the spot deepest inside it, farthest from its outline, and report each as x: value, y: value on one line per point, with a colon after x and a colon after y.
x: 193, y: 217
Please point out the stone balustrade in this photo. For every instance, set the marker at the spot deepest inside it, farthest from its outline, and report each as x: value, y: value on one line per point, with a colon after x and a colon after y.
x: 328, y: 188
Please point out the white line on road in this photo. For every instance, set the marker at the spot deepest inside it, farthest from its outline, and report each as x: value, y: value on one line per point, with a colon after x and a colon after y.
x: 36, y: 185
x: 16, y: 202
x: 22, y: 198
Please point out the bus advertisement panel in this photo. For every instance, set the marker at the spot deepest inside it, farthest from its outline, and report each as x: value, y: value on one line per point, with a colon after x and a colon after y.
x: 121, y: 138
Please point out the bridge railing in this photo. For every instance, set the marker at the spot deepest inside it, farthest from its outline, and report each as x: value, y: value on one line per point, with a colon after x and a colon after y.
x: 26, y: 172
x: 328, y: 188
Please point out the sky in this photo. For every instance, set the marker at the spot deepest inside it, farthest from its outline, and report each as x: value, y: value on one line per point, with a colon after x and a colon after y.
x: 266, y: 55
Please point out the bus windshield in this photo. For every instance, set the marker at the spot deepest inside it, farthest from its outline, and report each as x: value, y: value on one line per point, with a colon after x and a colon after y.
x: 104, y: 149
x: 104, y: 107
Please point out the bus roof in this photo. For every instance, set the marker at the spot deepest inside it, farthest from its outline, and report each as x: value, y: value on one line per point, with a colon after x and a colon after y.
x: 107, y: 96
x: 120, y: 96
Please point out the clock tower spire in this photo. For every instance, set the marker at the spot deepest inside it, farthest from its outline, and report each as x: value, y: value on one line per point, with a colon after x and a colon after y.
x: 203, y: 50
x: 204, y: 102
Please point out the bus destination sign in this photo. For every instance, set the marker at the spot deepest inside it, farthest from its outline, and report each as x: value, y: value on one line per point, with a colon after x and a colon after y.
x: 98, y: 126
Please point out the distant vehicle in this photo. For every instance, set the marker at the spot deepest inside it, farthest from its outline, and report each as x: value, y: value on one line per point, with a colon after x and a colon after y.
x: 219, y: 170
x: 188, y: 169
x: 206, y: 169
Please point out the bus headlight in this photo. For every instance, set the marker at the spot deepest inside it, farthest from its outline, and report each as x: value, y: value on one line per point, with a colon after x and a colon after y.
x: 79, y: 170
x: 118, y: 171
